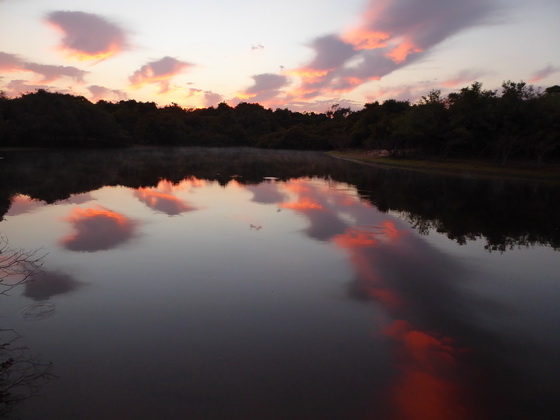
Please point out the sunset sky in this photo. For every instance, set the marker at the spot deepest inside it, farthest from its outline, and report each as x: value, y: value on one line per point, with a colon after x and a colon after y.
x: 304, y: 55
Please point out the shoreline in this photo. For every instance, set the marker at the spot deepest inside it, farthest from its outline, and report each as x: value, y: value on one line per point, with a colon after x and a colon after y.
x: 459, y: 167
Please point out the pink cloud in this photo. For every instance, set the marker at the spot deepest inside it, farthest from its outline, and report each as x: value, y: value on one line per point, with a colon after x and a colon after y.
x: 392, y: 34
x: 463, y: 77
x: 101, y: 92
x: 18, y: 86
x: 11, y: 62
x: 212, y: 99
x: 51, y: 73
x: 158, y: 72
x: 87, y: 36
x: 544, y: 73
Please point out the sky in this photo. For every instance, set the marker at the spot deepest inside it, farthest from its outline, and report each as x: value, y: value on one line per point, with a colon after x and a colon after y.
x: 302, y: 55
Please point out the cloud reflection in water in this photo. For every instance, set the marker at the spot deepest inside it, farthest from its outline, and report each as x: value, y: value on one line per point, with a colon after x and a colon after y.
x: 98, y: 229
x: 163, y: 199
x: 46, y: 284
x: 409, y: 280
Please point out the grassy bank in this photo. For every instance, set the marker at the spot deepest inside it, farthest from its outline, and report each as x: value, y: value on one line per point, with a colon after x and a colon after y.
x: 515, y: 169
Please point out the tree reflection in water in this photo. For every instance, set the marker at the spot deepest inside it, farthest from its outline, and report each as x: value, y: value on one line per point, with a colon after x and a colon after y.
x: 21, y: 373
x: 506, y: 213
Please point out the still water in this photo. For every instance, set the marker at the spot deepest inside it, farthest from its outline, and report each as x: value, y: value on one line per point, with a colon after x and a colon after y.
x: 244, y: 284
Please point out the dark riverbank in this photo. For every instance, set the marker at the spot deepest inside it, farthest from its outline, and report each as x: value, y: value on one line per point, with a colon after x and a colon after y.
x: 471, y: 167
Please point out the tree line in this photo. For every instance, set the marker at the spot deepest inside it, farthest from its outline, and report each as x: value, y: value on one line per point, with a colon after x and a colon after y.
x: 517, y: 122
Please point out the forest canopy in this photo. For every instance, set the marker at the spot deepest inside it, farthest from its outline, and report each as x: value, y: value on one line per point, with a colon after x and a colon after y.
x: 516, y: 122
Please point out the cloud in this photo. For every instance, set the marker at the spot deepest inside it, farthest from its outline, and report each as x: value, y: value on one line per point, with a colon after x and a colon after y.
x: 87, y: 36
x: 97, y: 229
x: 463, y: 77
x: 22, y: 204
x: 206, y: 98
x: 212, y: 99
x: 403, y: 92
x: 15, y: 87
x: 48, y: 72
x: 101, y: 92
x: 158, y: 72
x: 392, y: 34
x: 322, y: 105
x: 544, y: 73
x: 51, y: 73
x: 163, y: 198
x: 266, y: 86
x: 10, y: 62
x: 46, y: 284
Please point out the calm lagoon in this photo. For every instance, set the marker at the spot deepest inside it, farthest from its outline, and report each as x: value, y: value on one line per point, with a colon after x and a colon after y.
x: 250, y: 284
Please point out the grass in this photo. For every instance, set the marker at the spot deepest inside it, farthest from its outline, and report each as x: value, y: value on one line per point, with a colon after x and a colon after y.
x: 484, y: 168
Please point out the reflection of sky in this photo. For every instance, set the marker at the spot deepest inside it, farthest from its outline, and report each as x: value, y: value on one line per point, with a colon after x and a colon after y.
x: 163, y: 197
x: 267, y: 192
x: 386, y: 258
x: 326, y: 289
x: 22, y: 204
x: 97, y: 229
x: 46, y: 284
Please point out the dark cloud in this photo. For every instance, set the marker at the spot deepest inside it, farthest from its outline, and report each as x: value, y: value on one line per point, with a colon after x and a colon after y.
x: 88, y: 36
x: 158, y: 72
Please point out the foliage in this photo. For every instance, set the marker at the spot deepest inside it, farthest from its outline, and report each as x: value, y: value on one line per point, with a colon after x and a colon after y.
x: 519, y: 122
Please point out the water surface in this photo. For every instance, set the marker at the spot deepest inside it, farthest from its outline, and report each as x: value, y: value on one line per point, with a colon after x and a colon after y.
x: 213, y: 284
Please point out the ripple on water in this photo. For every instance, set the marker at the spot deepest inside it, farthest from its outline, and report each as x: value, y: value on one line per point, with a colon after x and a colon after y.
x: 38, y: 310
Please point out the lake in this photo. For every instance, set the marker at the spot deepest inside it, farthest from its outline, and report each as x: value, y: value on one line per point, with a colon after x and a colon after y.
x: 252, y: 284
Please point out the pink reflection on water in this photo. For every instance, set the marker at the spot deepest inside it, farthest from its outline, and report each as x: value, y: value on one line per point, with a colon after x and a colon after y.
x: 163, y: 197
x: 430, y: 375
x: 97, y: 229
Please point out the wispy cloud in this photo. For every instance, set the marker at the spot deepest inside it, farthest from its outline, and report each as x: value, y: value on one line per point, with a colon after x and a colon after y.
x: 11, y: 62
x: 158, y: 72
x: 544, y: 73
x: 87, y: 36
x: 463, y: 77
x: 51, y: 73
x: 392, y: 34
x: 48, y: 73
